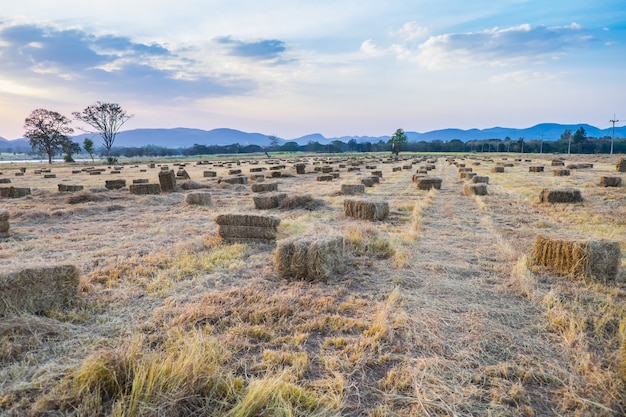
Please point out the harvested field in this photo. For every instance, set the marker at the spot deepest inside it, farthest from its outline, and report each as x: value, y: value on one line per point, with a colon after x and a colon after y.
x: 436, y: 311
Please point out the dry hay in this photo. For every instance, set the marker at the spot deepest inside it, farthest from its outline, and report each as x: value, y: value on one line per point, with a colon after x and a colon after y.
x: 192, y: 185
x: 621, y: 165
x: 182, y: 173
x: 427, y: 183
x: 610, y: 181
x: 167, y: 180
x: 310, y: 257
x: 232, y: 233
x: 198, y: 199
x: 5, y: 180
x: 597, y: 259
x: 497, y: 169
x: 268, y: 201
x: 264, y: 187
x: 557, y: 163
x: 378, y: 174
x: 248, y: 220
x: 475, y: 189
x: 144, y: 189
x: 234, y: 180
x: 561, y: 172
x: 209, y: 174
x: 304, y: 201
x: 14, y: 192
x: 565, y: 195
x: 365, y: 209
x: 367, y: 182
x: 352, y: 189
x: 300, y: 168
x: 114, y: 184
x: 480, y: 179
x: 36, y: 290
x: 324, y: 178
x: 466, y: 175
x: 535, y: 169
x: 84, y: 197
x: 69, y: 188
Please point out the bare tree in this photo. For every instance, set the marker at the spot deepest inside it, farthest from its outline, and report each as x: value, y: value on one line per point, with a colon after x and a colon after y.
x: 47, y: 131
x: 107, y: 119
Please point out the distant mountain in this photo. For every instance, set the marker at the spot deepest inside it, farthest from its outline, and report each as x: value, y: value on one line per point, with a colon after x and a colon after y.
x: 184, y: 137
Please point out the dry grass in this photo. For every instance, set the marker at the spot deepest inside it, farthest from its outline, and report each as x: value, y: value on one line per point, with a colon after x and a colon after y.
x: 425, y: 318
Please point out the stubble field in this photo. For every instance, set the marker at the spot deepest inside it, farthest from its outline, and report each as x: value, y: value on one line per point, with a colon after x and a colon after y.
x: 434, y: 311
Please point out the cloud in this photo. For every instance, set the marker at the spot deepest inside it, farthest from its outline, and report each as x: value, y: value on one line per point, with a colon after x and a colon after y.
x: 47, y: 55
x: 502, y: 47
x: 411, y: 31
x: 262, y: 50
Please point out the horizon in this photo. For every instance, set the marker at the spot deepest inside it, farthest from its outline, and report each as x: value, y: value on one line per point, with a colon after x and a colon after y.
x: 347, y: 70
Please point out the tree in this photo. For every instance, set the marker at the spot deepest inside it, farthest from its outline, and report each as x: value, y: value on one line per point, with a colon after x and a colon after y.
x: 566, y: 136
x: 107, y: 119
x: 397, y: 140
x: 579, y: 138
x: 47, y: 131
x: 88, y: 147
x: 70, y: 148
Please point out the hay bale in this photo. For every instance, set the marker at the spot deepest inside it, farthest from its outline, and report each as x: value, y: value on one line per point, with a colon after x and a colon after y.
x: 475, y: 189
x: 480, y: 179
x: 144, y: 189
x: 317, y: 257
x: 114, y: 184
x: 396, y: 169
x: 610, y: 181
x: 557, y: 163
x: 352, y: 189
x: 324, y: 178
x: 367, y: 182
x: 14, y: 192
x: 595, y: 259
x: 621, y: 165
x: 497, y: 169
x: 183, y: 174
x: 36, y: 290
x: 427, y: 183
x: 466, y: 175
x: 167, y: 180
x: 4, y: 223
x: 69, y: 188
x: 209, y: 174
x: 264, y: 187
x: 300, y: 168
x: 268, y: 201
x: 305, y: 202
x: 375, y: 180
x: 565, y: 195
x: 95, y: 172
x: 198, y: 198
x: 237, y: 233
x: 50, y: 175
x: 5, y: 180
x: 378, y: 174
x: 365, y: 209
x: 276, y: 174
x: 141, y: 181
x: 535, y: 169
x: 249, y: 220
x: 256, y: 169
x: 256, y: 177
x: 234, y: 171
x: 234, y: 180
x: 561, y: 172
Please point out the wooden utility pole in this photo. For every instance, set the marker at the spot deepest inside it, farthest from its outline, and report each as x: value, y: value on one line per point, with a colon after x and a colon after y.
x: 614, y: 120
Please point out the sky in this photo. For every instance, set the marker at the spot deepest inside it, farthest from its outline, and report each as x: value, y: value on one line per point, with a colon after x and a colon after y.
x: 290, y: 68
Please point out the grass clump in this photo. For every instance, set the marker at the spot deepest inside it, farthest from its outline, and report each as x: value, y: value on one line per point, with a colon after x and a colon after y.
x: 366, y: 240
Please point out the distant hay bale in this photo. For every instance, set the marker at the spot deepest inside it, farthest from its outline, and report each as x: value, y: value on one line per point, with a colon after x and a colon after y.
x: 167, y: 180
x: 114, y: 184
x: 95, y: 172
x: 366, y: 209
x: 4, y: 223
x: 5, y: 180
x: 316, y: 257
x: 378, y: 174
x: 69, y: 188
x: 596, y: 259
x: 621, y: 165
x: 375, y: 180
x: 396, y: 169
x: 300, y: 168
x: 264, y: 187
x: 141, y: 181
x: 84, y: 197
x: 14, y: 192
x: 305, y: 202
x: 276, y: 174
x: 327, y: 169
x: 557, y: 163
x: 610, y: 181
x: 234, y: 227
x: 234, y: 180
x: 191, y: 185
x: 198, y: 198
x: 367, y: 182
x: 182, y: 174
x: 565, y: 195
x: 144, y: 189
x: 466, y: 175
x: 475, y: 189
x: 234, y: 171
x: 268, y: 201
x: 324, y: 178
x: 497, y: 169
x: 535, y: 169
x: 561, y: 172
x: 427, y: 183
x: 480, y: 179
x: 50, y: 175
x: 256, y: 177
x: 352, y: 189
x: 37, y: 290
x: 209, y: 174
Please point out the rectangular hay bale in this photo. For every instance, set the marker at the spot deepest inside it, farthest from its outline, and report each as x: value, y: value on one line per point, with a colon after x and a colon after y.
x: 426, y: 183
x: 595, y: 259
x: 610, y: 181
x: 309, y: 257
x: 366, y: 210
x: 475, y: 189
x: 565, y: 195
x: 268, y: 201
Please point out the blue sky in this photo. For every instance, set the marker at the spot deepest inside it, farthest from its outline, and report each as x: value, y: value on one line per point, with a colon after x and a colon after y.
x: 291, y: 68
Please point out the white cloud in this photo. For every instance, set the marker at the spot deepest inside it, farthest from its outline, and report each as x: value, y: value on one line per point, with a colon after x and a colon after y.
x: 411, y: 31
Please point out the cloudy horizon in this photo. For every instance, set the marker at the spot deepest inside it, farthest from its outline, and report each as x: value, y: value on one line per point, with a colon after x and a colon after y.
x: 336, y: 68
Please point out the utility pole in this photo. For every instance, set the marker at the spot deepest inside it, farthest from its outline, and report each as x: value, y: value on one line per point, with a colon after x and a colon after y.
x: 613, y: 132
x: 541, y: 146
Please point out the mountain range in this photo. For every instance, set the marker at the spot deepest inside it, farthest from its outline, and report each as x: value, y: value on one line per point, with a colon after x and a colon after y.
x: 186, y: 137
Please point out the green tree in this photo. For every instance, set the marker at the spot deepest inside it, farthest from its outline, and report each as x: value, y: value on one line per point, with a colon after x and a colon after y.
x: 47, y: 131
x: 107, y: 119
x: 579, y: 138
x: 397, y: 140
x: 69, y: 149
x: 566, y: 136
x: 88, y: 147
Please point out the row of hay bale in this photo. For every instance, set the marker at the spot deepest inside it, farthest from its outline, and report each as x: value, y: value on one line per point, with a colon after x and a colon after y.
x: 4, y: 223
x: 366, y: 209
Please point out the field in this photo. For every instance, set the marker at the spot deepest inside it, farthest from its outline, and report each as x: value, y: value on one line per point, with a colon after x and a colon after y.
x: 435, y: 309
